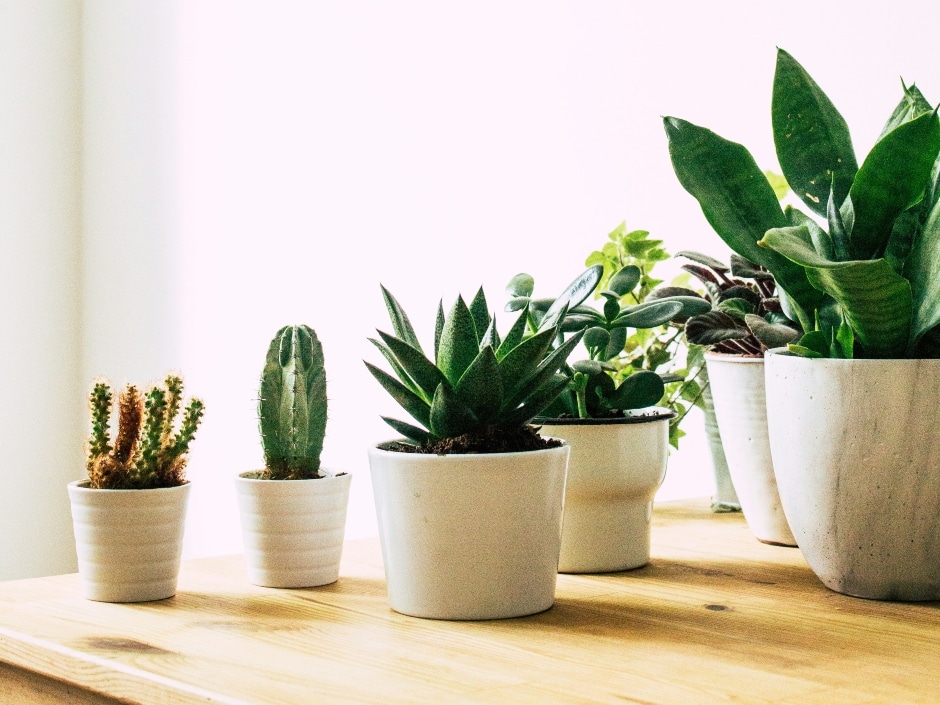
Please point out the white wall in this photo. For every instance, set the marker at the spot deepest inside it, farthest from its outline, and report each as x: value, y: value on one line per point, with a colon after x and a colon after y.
x: 40, y: 342
x: 251, y: 164
x: 327, y: 147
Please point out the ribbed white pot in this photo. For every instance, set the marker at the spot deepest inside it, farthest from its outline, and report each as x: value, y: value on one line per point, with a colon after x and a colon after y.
x: 128, y: 542
x: 737, y: 385
x: 470, y: 536
x: 857, y: 457
x: 615, y: 469
x: 293, y: 530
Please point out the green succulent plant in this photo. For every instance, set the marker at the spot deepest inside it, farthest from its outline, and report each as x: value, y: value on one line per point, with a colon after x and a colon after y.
x: 866, y: 284
x: 149, y: 450
x: 479, y: 380
x: 292, y: 405
x: 592, y: 390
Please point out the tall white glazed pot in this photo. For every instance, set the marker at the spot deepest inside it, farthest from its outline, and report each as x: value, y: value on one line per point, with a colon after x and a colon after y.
x: 615, y: 469
x: 857, y: 456
x: 737, y: 385
x: 470, y: 537
x: 128, y: 542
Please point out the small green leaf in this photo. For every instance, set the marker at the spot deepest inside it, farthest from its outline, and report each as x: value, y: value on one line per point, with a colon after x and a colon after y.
x: 624, y: 281
x: 641, y: 389
x: 596, y: 338
x: 713, y: 327
x: 521, y: 285
x: 575, y: 293
x: 770, y: 335
x: 400, y: 323
x: 648, y: 315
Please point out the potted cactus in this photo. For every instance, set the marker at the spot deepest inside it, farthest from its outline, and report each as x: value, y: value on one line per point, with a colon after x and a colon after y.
x: 619, y: 439
x: 745, y: 321
x: 129, y: 514
x: 470, y: 501
x: 293, y: 512
x: 854, y: 446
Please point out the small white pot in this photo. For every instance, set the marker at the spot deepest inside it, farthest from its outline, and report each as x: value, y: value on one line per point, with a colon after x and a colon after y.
x: 470, y: 536
x: 857, y: 456
x: 293, y: 529
x: 128, y: 542
x: 615, y: 469
x: 737, y: 385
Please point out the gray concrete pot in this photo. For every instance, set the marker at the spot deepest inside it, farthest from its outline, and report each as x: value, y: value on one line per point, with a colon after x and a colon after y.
x: 857, y: 457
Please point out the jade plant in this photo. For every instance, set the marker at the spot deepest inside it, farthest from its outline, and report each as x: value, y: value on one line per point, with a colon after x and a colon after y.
x: 865, y: 284
x: 150, y: 448
x: 746, y: 316
x: 292, y: 405
x: 482, y: 389
x: 592, y: 390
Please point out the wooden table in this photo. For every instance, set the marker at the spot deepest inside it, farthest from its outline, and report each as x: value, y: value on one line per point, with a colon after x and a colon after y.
x: 716, y: 617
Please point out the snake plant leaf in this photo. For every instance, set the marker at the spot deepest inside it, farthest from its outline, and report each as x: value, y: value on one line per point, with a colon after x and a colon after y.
x: 624, y: 281
x: 876, y: 301
x: 650, y: 314
x: 513, y: 337
x: 407, y: 399
x: 480, y: 313
x: 738, y: 202
x: 923, y: 272
x: 480, y: 387
x: 521, y: 285
x: 538, y: 401
x: 418, y: 368
x: 822, y: 243
x: 642, y: 388
x: 912, y: 105
x: 522, y: 385
x: 575, y: 293
x: 839, y: 230
x: 891, y: 179
x: 713, y: 327
x: 449, y: 415
x: 458, y: 343
x: 400, y: 323
x: 412, y: 433
x: 400, y: 372
x: 812, y: 139
x: 770, y: 335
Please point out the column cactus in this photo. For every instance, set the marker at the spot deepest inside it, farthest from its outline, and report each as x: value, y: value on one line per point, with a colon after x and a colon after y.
x: 292, y: 405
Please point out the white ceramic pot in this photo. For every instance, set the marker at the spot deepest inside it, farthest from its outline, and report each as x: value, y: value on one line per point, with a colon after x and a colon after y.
x: 737, y: 385
x: 725, y: 498
x: 128, y: 542
x: 470, y: 536
x: 616, y: 466
x: 293, y: 529
x: 857, y: 455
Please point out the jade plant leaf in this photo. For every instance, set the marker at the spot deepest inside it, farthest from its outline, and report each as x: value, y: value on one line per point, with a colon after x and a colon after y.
x: 642, y: 388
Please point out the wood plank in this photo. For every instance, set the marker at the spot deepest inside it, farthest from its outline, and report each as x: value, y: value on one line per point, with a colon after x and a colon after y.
x: 716, y: 616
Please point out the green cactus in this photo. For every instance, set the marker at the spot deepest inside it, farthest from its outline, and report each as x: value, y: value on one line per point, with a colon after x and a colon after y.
x: 292, y: 405
x: 146, y: 452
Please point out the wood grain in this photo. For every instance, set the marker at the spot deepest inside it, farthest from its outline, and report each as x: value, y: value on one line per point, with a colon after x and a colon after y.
x: 715, y: 617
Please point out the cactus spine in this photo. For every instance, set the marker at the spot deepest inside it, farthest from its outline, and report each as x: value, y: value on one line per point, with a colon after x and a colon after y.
x: 147, y: 451
x: 292, y: 405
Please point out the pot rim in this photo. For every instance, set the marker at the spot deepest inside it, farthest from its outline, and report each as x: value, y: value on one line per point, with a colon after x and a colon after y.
x: 377, y: 448
x: 783, y: 352
x: 331, y: 475
x: 731, y: 357
x: 82, y: 486
x: 651, y: 415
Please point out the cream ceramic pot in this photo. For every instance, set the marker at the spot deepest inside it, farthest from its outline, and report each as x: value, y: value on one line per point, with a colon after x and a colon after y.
x: 857, y: 457
x: 737, y: 385
x: 293, y: 529
x: 470, y: 536
x: 128, y: 542
x: 615, y: 469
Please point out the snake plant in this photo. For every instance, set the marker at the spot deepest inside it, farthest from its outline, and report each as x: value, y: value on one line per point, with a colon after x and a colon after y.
x: 865, y: 284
